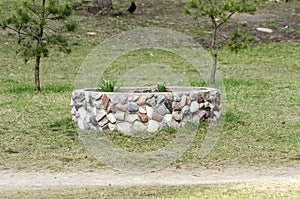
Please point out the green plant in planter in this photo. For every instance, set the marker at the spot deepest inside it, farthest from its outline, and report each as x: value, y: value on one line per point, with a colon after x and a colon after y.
x: 161, y: 87
x: 107, y: 85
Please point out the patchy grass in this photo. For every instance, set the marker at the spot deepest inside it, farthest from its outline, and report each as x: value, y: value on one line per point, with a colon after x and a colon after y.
x: 262, y: 87
x: 253, y: 190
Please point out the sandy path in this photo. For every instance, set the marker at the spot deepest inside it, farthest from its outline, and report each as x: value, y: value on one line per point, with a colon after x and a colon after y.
x: 10, y: 180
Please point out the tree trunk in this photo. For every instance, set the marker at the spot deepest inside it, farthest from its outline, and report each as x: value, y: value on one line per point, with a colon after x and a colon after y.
x: 214, y: 68
x: 37, y: 73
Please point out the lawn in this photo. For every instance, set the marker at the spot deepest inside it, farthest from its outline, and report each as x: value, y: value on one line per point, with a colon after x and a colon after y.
x: 262, y: 106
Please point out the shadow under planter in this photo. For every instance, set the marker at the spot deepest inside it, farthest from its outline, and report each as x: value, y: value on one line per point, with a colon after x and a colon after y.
x: 130, y: 109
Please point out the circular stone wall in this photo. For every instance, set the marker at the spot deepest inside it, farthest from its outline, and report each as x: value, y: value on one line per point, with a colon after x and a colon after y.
x: 142, y: 109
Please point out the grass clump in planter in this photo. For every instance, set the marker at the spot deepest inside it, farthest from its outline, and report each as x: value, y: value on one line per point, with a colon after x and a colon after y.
x: 161, y: 87
x: 107, y: 85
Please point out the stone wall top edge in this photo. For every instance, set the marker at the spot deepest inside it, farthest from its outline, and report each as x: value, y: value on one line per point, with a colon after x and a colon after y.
x: 173, y: 89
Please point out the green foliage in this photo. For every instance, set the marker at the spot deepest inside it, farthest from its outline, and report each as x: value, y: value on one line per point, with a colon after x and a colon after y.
x: 108, y: 85
x: 40, y: 26
x: 161, y: 87
x: 220, y: 13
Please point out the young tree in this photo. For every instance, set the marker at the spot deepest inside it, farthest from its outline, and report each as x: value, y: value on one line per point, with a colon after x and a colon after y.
x: 40, y: 25
x: 220, y: 13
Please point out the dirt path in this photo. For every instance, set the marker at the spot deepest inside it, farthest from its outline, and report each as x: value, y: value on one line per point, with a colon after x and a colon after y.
x: 46, y: 180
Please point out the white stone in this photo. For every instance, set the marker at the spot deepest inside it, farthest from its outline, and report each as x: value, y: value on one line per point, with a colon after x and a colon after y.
x: 142, y: 110
x: 91, y: 33
x: 194, y: 107
x: 100, y: 115
x: 82, y: 113
x: 80, y: 124
x: 111, y: 118
x: 217, y: 114
x: 153, y: 126
x: 103, y: 122
x: 72, y: 102
x: 167, y: 118
x: 266, y: 30
x: 149, y: 111
x: 73, y: 111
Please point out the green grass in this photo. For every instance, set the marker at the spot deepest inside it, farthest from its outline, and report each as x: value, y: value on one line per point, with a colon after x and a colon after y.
x: 254, y: 190
x: 262, y: 88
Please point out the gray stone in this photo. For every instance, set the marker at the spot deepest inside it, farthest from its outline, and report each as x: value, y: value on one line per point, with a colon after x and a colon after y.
x: 194, y: 107
x: 122, y: 107
x: 165, y: 125
x: 98, y: 105
x: 133, y: 98
x: 195, y: 118
x: 81, y: 97
x: 83, y: 125
x: 161, y: 110
x: 93, y: 120
x: 96, y: 96
x: 185, y: 110
x: 176, y: 97
x: 153, y: 126
x: 131, y: 118
x: 192, y: 96
x: 120, y: 115
x: 149, y: 96
x: 160, y: 99
x: 133, y: 107
x: 151, y: 102
x: 123, y: 99
x: 139, y: 126
x: 114, y: 99
x: 125, y: 128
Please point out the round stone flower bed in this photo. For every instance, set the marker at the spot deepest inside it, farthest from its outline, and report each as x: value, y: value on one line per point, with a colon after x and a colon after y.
x: 143, y: 109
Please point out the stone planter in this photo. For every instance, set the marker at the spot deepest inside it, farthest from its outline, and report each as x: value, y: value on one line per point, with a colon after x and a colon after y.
x: 143, y: 109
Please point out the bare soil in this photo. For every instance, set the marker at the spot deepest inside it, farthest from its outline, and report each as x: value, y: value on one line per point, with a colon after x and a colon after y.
x: 173, y: 176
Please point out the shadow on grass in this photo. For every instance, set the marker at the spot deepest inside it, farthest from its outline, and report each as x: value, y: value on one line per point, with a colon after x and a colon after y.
x: 65, y: 125
x: 47, y: 88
